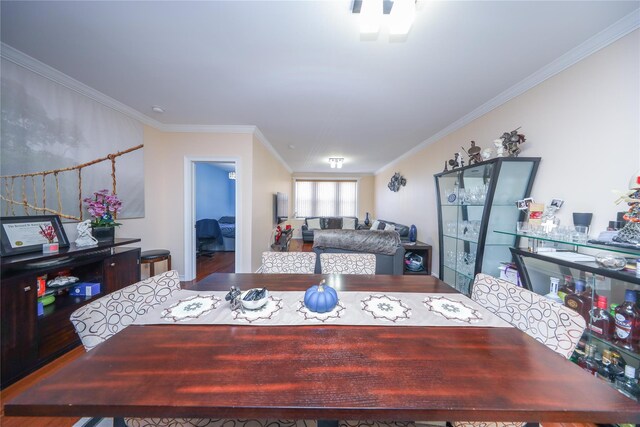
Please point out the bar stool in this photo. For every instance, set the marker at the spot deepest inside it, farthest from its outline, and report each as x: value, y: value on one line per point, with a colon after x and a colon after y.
x: 153, y: 256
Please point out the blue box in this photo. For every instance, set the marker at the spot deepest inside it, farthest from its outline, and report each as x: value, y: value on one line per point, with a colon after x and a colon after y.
x: 85, y: 289
x: 40, y: 309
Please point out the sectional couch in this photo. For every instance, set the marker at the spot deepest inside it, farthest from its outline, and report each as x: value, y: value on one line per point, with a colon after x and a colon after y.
x: 328, y: 223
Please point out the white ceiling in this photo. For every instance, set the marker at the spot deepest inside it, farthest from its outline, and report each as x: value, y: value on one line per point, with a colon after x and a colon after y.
x: 299, y: 70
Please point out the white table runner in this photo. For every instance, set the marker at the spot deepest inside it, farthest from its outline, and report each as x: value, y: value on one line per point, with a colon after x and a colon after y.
x: 354, y: 308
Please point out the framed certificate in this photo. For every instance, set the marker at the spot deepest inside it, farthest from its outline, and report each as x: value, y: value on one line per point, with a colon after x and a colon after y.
x: 20, y: 234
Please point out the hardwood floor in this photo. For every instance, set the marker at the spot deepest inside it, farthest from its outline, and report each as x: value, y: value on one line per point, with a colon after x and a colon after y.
x: 297, y: 245
x: 220, y: 262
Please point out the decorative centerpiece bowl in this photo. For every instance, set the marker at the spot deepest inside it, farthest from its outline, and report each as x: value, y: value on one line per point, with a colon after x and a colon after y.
x: 610, y: 261
x: 254, y: 298
x: 321, y: 298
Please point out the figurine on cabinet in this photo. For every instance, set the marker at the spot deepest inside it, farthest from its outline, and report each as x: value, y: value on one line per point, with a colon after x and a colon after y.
x: 510, y: 141
x: 473, y: 153
x: 456, y: 162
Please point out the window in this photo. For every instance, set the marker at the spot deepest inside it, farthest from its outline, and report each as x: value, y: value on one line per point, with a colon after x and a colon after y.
x: 326, y: 198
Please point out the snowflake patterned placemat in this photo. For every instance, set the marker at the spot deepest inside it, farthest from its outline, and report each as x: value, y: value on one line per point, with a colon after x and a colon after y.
x: 354, y: 308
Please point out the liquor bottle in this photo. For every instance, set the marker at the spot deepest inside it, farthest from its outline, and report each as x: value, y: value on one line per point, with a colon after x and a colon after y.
x: 579, y: 301
x: 602, y: 323
x: 567, y: 288
x: 628, y: 385
x: 604, y: 371
x: 627, y: 330
x: 598, y: 358
x: 553, y: 291
x: 616, y: 368
x: 588, y: 363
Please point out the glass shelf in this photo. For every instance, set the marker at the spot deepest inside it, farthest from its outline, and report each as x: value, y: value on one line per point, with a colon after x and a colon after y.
x: 627, y: 354
x: 626, y: 251
x: 460, y: 238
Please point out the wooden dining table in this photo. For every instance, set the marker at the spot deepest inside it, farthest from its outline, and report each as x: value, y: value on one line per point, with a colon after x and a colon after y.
x: 324, y: 371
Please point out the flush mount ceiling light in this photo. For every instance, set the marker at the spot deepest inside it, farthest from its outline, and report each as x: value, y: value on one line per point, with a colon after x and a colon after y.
x: 336, y: 162
x: 401, y: 15
x: 157, y: 109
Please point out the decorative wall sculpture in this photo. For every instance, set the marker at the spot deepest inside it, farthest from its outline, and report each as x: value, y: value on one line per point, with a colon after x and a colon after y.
x: 396, y: 182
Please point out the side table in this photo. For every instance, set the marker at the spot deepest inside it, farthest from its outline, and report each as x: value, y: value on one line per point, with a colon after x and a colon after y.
x: 283, y: 244
x: 423, y: 250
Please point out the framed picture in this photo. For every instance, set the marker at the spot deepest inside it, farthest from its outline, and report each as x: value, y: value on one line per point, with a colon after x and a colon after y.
x: 20, y: 234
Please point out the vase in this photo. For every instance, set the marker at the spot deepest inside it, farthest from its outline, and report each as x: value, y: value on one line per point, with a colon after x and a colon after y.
x: 582, y: 218
x: 104, y: 234
x: 367, y: 221
x: 413, y: 233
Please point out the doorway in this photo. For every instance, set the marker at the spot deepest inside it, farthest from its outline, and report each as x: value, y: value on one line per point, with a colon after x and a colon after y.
x: 211, y: 204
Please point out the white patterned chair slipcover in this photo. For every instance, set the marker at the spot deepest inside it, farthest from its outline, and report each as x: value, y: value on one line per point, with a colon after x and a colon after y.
x: 554, y: 325
x: 288, y: 262
x: 370, y: 423
x: 101, y: 319
x: 210, y: 422
x: 346, y: 263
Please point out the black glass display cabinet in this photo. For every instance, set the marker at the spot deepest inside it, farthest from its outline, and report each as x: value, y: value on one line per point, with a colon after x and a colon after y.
x: 472, y: 202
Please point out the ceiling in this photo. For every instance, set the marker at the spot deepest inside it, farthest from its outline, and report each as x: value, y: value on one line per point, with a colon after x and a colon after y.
x: 299, y: 70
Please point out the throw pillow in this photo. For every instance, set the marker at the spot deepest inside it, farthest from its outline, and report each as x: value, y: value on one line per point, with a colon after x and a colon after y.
x: 313, y: 223
x: 348, y: 223
x: 388, y: 227
x: 375, y: 225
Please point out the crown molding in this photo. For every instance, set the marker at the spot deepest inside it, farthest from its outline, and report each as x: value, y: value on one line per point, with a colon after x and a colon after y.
x: 207, y: 128
x: 604, y: 38
x: 263, y: 139
x: 23, y: 60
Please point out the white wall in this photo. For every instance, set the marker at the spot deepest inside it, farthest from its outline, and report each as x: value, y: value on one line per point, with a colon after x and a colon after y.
x: 269, y: 177
x: 584, y: 123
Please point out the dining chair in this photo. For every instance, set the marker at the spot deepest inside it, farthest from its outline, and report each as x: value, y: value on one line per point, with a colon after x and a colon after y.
x: 347, y: 263
x: 554, y: 325
x: 288, y: 262
x: 101, y: 319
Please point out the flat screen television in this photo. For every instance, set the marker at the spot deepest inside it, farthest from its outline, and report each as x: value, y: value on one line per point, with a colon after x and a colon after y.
x: 280, y: 207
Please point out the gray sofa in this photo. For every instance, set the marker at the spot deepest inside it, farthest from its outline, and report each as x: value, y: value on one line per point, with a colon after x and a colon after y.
x: 401, y: 229
x: 326, y: 223
x: 389, y: 253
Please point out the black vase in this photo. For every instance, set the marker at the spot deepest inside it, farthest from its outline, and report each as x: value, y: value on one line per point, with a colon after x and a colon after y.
x: 367, y: 221
x: 582, y: 218
x: 104, y: 234
x: 413, y: 233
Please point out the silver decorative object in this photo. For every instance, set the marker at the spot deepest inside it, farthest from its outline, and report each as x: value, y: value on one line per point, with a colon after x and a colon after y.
x: 234, y: 298
x: 84, y: 234
x: 396, y: 182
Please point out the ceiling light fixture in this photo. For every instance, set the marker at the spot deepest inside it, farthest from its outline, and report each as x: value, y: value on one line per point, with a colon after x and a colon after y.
x: 232, y: 175
x: 157, y: 109
x: 370, y: 16
x: 336, y: 162
x: 401, y: 18
x: 401, y: 15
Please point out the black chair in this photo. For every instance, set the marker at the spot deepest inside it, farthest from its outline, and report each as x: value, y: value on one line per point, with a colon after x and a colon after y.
x: 207, y: 233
